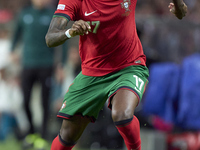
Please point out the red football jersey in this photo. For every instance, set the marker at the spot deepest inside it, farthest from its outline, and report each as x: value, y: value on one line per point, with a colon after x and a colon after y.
x: 113, y: 43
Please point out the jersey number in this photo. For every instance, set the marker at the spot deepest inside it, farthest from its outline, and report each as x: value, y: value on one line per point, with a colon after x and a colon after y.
x: 95, y: 24
x: 139, y: 83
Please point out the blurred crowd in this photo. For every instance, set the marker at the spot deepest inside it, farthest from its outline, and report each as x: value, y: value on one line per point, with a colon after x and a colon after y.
x: 159, y: 8
x: 164, y: 39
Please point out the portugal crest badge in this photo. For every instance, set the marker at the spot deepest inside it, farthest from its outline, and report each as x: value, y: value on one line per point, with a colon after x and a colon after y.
x: 125, y: 5
x: 63, y: 106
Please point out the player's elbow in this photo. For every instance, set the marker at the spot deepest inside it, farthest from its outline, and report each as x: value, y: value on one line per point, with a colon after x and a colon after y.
x: 48, y: 41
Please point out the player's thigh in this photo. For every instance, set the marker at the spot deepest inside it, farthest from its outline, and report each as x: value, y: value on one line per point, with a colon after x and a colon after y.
x: 124, y: 103
x: 128, y: 92
x: 72, y: 128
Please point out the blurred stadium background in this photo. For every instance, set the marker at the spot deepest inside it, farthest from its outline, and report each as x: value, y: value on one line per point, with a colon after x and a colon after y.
x: 169, y: 112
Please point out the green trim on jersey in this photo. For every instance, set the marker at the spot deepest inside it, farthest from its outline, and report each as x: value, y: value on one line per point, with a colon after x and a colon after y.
x: 60, y: 16
x: 87, y: 94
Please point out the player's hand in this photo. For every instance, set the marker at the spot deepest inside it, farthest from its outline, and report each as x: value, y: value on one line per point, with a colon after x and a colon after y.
x: 79, y: 28
x: 178, y: 10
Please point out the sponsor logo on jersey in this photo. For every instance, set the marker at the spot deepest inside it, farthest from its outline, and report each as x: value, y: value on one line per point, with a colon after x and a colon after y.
x: 87, y: 14
x: 61, y: 7
x: 137, y: 61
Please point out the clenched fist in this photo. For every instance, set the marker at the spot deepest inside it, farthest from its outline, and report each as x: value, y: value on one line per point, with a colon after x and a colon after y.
x: 79, y: 27
x: 179, y: 9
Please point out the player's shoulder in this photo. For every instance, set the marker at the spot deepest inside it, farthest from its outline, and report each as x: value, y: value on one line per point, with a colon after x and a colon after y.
x: 69, y: 4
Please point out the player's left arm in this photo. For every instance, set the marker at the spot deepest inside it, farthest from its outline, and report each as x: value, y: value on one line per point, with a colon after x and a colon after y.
x: 56, y: 32
x: 178, y: 8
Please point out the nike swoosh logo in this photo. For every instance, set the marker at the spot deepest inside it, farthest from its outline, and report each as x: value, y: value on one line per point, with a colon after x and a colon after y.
x: 87, y: 14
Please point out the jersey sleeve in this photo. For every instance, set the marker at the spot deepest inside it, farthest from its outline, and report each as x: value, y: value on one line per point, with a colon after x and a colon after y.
x: 68, y: 9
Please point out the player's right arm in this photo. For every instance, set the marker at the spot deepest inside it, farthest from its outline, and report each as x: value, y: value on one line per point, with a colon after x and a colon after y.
x: 56, y: 34
x: 178, y: 8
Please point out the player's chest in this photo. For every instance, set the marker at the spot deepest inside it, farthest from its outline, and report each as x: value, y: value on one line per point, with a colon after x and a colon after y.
x: 106, y: 10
